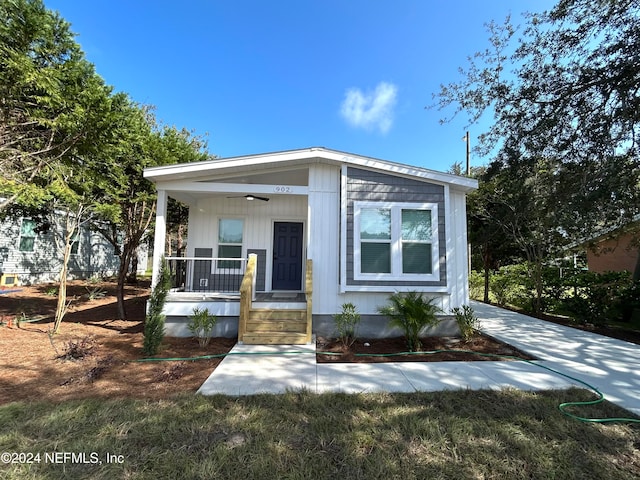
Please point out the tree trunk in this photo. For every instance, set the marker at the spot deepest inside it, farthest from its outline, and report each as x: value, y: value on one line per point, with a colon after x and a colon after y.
x: 485, y: 258
x: 122, y: 277
x: 133, y: 270
x: 61, y: 308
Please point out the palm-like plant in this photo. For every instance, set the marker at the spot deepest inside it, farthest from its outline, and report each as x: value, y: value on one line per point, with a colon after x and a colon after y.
x: 411, y: 312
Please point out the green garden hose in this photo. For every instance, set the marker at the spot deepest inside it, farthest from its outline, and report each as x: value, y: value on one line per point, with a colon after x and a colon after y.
x: 562, y: 407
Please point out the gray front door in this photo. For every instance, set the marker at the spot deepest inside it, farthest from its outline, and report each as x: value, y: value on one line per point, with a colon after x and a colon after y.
x: 287, y: 256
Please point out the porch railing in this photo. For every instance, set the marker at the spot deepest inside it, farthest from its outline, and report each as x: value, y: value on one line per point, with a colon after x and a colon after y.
x: 206, y: 274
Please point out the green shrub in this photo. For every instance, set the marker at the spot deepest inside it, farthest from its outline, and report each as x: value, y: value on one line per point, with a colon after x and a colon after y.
x: 51, y: 291
x: 154, y: 322
x: 467, y: 322
x: 476, y: 285
x: 411, y: 313
x: 201, y: 325
x: 346, y: 324
x: 94, y: 293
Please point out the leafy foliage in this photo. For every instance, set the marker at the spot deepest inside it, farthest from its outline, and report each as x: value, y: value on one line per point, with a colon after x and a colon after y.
x: 588, y: 297
x: 467, y: 321
x: 201, y: 324
x: 564, y: 95
x: 411, y: 312
x: 54, y: 106
x: 346, y: 323
x: 154, y: 322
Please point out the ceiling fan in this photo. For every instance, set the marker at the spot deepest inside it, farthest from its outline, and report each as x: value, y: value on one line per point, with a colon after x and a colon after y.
x: 252, y: 197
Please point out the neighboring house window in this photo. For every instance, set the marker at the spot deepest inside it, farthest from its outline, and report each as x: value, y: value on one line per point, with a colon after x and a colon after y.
x: 230, y: 241
x: 27, y: 235
x: 75, y: 242
x: 395, y: 241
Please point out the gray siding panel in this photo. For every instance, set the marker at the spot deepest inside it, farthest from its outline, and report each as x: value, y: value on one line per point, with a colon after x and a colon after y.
x: 364, y: 185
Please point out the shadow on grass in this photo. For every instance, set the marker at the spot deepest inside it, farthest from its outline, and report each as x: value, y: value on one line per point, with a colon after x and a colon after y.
x: 464, y: 434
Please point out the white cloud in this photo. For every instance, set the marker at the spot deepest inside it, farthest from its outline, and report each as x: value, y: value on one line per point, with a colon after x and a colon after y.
x: 371, y: 110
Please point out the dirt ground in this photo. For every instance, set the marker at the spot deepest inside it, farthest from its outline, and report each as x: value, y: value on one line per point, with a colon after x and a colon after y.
x: 95, y: 355
x: 33, y: 365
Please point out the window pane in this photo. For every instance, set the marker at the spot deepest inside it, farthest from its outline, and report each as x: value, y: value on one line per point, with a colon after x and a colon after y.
x: 229, y: 251
x: 375, y: 257
x: 26, y: 244
x: 75, y: 243
x: 27, y: 228
x: 416, y: 225
x: 375, y: 223
x: 230, y: 230
x: 416, y: 258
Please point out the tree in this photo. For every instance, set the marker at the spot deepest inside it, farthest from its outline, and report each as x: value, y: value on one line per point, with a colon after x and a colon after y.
x: 130, y: 200
x: 52, y: 104
x: 72, y: 199
x: 566, y: 92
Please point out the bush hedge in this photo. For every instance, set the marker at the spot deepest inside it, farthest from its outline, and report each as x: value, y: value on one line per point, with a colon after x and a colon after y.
x: 588, y: 297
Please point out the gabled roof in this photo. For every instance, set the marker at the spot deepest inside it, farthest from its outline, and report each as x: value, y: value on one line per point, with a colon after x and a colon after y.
x: 296, y: 158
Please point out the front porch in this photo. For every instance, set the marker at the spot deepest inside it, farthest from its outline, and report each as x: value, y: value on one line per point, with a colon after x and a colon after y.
x: 263, y: 318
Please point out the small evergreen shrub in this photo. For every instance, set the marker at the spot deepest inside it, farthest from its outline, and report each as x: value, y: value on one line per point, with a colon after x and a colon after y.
x: 467, y: 322
x: 411, y: 312
x: 94, y: 293
x: 201, y: 325
x: 346, y: 324
x: 154, y: 322
x: 51, y: 291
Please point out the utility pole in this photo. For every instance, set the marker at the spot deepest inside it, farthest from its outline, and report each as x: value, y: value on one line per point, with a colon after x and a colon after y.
x: 467, y: 138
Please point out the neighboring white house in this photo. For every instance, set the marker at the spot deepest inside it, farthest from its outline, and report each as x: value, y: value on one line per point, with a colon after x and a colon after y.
x: 365, y: 227
x: 28, y: 257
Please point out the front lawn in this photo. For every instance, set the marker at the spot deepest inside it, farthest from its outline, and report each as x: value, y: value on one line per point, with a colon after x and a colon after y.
x: 447, y: 435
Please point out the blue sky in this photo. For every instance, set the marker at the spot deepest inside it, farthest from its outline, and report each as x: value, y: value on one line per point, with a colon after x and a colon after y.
x: 258, y: 76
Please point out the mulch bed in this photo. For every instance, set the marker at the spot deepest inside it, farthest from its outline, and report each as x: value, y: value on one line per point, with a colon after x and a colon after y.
x: 483, y: 346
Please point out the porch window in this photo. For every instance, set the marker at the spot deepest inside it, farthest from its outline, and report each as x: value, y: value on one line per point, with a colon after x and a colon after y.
x: 395, y: 241
x: 27, y: 235
x: 230, y: 241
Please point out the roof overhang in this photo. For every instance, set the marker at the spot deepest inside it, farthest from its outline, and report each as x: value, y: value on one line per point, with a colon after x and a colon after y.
x: 231, y: 166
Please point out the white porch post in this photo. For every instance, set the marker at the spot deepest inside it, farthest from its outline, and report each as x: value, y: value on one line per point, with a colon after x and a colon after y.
x: 159, y: 239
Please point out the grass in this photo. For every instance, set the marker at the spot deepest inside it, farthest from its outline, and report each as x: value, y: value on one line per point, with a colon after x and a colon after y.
x: 508, y: 434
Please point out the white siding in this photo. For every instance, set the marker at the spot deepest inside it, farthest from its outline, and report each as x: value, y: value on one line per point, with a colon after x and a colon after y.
x: 458, y: 258
x: 258, y: 222
x: 324, y: 240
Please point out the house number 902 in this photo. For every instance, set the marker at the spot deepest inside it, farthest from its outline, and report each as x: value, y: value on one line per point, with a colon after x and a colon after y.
x: 282, y: 189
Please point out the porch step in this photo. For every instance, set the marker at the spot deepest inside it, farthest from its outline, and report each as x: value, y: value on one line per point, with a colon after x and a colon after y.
x: 272, y: 338
x: 271, y: 327
x: 291, y: 326
x: 262, y: 314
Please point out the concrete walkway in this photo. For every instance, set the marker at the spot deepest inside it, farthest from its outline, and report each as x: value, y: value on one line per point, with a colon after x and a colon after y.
x: 613, y: 366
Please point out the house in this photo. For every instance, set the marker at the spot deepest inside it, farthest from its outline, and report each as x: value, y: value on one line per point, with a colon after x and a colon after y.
x: 30, y: 257
x: 614, y: 250
x: 279, y: 241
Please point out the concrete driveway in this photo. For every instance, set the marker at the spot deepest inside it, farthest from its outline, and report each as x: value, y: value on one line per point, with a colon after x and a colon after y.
x: 612, y: 366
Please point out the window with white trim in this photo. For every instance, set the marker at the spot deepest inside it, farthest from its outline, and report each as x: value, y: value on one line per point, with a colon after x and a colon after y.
x: 230, y: 233
x: 27, y: 235
x: 396, y: 241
